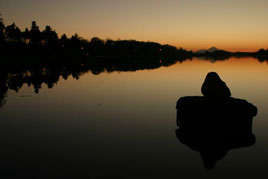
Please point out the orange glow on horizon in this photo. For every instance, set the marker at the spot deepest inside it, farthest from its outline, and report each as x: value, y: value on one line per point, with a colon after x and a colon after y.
x: 235, y: 45
x: 232, y: 25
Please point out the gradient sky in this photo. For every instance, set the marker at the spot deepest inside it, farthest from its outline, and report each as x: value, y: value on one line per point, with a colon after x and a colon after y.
x: 235, y: 25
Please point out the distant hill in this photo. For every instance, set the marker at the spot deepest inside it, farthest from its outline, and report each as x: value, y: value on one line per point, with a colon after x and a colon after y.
x: 213, y: 49
x: 210, y: 50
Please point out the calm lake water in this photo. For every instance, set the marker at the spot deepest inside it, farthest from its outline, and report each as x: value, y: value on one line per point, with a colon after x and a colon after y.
x: 123, y: 124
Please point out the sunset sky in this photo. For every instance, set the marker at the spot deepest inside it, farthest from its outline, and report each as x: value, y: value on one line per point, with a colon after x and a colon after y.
x: 235, y: 25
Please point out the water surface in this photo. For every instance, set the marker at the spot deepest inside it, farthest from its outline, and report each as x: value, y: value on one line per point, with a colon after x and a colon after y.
x: 122, y: 123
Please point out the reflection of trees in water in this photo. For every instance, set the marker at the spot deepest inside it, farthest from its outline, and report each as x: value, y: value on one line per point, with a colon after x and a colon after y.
x: 263, y: 59
x: 13, y: 77
x: 37, y: 76
x: 213, y: 59
x: 3, y: 88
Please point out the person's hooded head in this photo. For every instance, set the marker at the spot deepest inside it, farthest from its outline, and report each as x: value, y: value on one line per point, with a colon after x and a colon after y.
x: 214, y: 87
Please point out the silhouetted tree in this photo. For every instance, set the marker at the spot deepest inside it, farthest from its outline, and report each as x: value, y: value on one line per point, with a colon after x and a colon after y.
x: 97, y: 41
x: 35, y: 34
x: 63, y: 40
x: 109, y: 43
x: 50, y: 37
x: 262, y: 52
x: 2, y: 30
x: 109, y: 46
x: 26, y: 36
x: 96, y: 45
x: 75, y: 42
x: 13, y: 33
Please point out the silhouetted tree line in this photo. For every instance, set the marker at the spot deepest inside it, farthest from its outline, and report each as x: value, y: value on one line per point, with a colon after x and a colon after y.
x: 45, y: 43
x: 35, y: 45
x: 261, y: 55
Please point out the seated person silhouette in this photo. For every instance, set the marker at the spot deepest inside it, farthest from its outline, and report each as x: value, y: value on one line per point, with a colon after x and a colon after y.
x: 214, y: 123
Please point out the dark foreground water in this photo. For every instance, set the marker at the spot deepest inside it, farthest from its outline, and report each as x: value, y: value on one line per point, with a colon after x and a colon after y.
x: 123, y: 124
